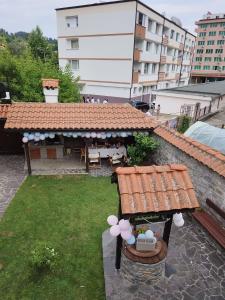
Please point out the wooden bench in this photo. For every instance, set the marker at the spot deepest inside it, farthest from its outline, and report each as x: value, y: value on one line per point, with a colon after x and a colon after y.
x: 211, y: 225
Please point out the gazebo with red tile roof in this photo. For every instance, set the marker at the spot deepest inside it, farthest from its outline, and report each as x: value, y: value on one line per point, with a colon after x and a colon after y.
x: 154, y: 191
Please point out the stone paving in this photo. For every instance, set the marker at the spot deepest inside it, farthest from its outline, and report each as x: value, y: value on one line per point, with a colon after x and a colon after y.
x: 195, y: 269
x: 11, y: 176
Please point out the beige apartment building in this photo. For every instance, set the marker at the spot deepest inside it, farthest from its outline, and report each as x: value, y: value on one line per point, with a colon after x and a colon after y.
x: 123, y: 50
x: 209, y: 58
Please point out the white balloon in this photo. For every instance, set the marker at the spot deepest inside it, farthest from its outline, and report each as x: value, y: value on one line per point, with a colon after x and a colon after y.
x: 115, y: 230
x: 36, y: 138
x: 124, y: 225
x: 42, y: 137
x: 99, y: 135
x: 112, y: 220
x: 108, y: 134
x: 26, y: 134
x: 177, y: 217
x: 87, y: 135
x: 74, y: 135
x: 37, y: 134
x: 46, y: 135
x: 51, y: 135
x: 126, y: 235
x: 93, y: 135
x: 31, y: 137
x: 149, y: 234
x: 25, y: 139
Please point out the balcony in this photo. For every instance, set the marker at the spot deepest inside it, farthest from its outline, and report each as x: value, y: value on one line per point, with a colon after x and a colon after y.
x: 177, y: 76
x: 181, y: 47
x: 137, y: 55
x: 163, y: 59
x: 165, y: 40
x: 140, y: 32
x: 162, y: 76
x: 135, y: 77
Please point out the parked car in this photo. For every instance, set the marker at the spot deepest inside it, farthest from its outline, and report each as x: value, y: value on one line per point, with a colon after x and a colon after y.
x: 143, y: 106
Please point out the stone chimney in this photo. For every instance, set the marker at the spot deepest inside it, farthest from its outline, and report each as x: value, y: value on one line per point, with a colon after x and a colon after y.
x: 51, y: 90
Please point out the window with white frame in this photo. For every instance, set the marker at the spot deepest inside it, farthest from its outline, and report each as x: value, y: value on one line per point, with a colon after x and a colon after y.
x: 74, y: 64
x: 154, y: 68
x: 148, y: 45
x: 172, y: 34
x: 72, y: 22
x: 73, y: 44
x: 146, y: 68
x: 158, y: 29
x: 150, y: 25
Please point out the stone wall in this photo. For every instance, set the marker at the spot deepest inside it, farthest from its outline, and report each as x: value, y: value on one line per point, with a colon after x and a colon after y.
x: 207, y: 183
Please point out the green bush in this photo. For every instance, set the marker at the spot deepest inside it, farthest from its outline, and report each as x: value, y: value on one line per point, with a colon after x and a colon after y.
x: 183, y: 123
x: 43, y: 257
x: 143, y: 146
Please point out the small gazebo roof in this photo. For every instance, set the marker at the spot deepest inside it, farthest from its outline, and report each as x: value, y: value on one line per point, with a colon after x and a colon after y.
x: 76, y: 116
x: 155, y: 189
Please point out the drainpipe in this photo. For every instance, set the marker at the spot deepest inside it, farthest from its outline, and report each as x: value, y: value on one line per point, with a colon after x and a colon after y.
x: 182, y: 58
x: 132, y: 70
x: 161, y: 51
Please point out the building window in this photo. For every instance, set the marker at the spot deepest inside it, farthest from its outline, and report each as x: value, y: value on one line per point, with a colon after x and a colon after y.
x: 216, y: 68
x: 203, y: 25
x: 72, y: 22
x: 141, y: 19
x: 197, y: 67
x: 177, y: 37
x: 74, y: 64
x: 172, y: 34
x: 198, y: 59
x: 154, y: 68
x: 201, y: 43
x: 74, y: 44
x: 146, y: 68
x: 150, y: 24
x: 173, y: 68
x: 217, y: 59
x: 206, y: 68
x: 208, y: 58
x: 157, y: 48
x: 148, y: 45
x: 223, y: 68
x: 157, y: 29
x: 213, y: 25
x: 219, y: 51
x: 212, y: 33
x: 220, y: 42
x: 221, y: 32
x: 199, y: 51
x: 210, y: 42
x: 134, y: 91
x: 202, y: 34
x: 209, y: 51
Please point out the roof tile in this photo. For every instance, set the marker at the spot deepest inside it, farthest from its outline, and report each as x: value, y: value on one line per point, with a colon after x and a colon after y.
x: 212, y: 158
x: 155, y: 189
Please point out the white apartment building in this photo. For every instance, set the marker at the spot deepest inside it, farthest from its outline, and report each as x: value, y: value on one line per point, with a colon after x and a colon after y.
x: 123, y: 50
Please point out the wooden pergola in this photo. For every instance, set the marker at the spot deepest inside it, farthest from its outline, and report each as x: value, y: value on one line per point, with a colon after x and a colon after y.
x: 153, y: 193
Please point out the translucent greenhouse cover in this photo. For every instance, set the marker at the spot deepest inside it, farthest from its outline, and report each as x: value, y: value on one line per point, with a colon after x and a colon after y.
x: 208, y: 135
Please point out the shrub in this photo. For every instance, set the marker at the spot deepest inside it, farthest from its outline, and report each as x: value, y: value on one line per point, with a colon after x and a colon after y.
x: 143, y: 146
x: 183, y: 123
x: 43, y: 257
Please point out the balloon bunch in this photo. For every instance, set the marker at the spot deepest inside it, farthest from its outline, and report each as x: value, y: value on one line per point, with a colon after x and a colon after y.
x: 122, y: 227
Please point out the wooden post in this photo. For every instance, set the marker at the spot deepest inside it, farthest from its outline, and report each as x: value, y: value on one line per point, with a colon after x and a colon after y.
x: 27, y: 155
x: 86, y: 156
x: 118, y: 241
x: 167, y: 229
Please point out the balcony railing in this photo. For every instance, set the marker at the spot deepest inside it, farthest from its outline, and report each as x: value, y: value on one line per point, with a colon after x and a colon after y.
x: 165, y: 40
x: 135, y: 77
x: 162, y: 75
x: 181, y: 47
x: 163, y: 59
x: 137, y: 55
x: 140, y: 32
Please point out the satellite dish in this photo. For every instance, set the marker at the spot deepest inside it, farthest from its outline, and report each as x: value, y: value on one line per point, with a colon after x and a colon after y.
x: 177, y: 21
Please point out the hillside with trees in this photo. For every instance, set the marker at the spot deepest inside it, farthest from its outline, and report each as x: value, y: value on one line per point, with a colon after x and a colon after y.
x: 26, y: 58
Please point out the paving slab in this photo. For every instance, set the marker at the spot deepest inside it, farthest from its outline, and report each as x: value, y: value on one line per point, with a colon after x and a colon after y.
x: 194, y: 270
x: 12, y: 175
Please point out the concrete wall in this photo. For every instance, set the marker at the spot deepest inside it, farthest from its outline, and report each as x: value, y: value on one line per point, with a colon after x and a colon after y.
x: 207, y: 183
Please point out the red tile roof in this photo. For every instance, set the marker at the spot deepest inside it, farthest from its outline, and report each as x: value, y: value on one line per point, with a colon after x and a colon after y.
x: 74, y: 116
x: 3, y: 110
x: 155, y: 189
x: 54, y: 83
x: 213, y: 159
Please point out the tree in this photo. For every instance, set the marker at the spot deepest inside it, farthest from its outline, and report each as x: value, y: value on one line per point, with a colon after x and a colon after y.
x: 143, y: 146
x: 39, y: 45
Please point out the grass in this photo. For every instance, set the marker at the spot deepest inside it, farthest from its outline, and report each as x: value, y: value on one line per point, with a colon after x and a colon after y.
x: 68, y: 212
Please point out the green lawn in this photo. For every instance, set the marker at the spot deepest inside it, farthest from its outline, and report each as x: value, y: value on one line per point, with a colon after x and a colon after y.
x: 70, y: 213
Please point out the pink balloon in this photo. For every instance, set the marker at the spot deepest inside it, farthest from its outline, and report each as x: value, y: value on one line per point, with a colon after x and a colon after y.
x: 115, y: 230
x: 112, y: 220
x: 126, y: 235
x: 124, y: 225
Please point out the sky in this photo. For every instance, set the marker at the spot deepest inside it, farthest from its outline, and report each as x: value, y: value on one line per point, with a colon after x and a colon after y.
x: 24, y: 15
